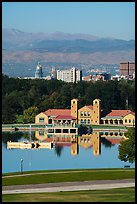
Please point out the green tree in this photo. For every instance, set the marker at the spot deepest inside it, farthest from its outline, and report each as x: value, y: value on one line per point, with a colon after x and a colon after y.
x: 10, y: 106
x: 29, y: 114
x: 19, y: 119
x: 127, y: 147
x: 20, y: 94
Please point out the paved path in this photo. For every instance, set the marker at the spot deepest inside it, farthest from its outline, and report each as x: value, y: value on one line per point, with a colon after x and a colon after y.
x: 69, y: 186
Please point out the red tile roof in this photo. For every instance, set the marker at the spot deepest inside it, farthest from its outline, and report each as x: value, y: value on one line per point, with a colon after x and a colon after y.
x: 90, y: 107
x: 56, y: 112
x: 60, y: 114
x: 120, y: 113
x: 87, y: 106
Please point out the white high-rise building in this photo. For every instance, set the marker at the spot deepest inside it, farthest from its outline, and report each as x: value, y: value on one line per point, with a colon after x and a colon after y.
x: 72, y: 75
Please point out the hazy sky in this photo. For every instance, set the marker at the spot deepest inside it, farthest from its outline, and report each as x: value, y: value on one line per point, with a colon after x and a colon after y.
x: 102, y: 19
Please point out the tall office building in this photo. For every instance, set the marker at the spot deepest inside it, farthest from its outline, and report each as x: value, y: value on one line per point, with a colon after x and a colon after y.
x: 78, y: 75
x: 72, y: 75
x: 38, y: 73
x: 127, y: 69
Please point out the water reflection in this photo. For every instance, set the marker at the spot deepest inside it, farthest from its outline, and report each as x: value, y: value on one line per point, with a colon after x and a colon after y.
x: 94, y: 150
x: 40, y: 139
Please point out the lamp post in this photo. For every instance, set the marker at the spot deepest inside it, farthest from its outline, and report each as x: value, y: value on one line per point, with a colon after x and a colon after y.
x: 21, y: 166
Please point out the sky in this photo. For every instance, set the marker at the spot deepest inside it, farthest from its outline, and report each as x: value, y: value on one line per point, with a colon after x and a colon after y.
x: 102, y: 19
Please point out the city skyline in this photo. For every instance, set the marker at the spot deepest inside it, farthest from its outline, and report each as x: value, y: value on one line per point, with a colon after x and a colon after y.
x: 102, y: 19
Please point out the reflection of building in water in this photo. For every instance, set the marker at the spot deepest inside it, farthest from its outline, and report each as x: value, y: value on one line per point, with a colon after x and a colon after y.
x: 41, y: 135
x: 113, y: 133
x: 60, y: 130
x: 74, y: 145
x: 96, y: 143
x: 115, y: 140
x: 86, y: 141
x: 93, y: 140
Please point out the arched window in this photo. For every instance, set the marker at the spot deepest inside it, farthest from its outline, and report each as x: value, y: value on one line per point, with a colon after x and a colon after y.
x: 50, y: 121
x: 88, y: 121
x: 85, y: 113
x: 121, y: 121
x: 81, y: 113
x: 88, y: 113
x: 111, y: 121
x: 116, y: 121
x: 41, y: 120
x: 101, y: 121
x: 81, y: 121
x: 106, y: 121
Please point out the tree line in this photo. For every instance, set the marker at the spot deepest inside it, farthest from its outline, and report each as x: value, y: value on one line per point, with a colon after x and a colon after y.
x: 22, y: 99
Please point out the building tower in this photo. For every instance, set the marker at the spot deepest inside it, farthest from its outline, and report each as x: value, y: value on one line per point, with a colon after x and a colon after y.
x: 74, y: 108
x: 53, y: 73
x: 38, y: 73
x: 96, y: 111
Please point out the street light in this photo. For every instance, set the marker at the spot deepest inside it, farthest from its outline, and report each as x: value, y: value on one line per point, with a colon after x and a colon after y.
x: 21, y: 167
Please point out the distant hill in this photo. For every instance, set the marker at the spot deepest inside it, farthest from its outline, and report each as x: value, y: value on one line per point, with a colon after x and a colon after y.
x: 23, y: 47
x: 83, y: 46
x: 21, y: 39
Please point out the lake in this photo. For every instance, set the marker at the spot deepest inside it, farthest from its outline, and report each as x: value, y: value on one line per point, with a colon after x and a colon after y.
x: 84, y: 152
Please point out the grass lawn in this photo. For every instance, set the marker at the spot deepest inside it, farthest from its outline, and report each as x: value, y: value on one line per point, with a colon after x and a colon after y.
x: 68, y: 176
x: 110, y: 195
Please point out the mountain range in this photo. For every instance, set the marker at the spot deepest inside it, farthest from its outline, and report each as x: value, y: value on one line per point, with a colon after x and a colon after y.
x: 19, y: 46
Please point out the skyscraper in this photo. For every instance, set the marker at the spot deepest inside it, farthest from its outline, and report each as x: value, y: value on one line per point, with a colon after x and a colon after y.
x: 72, y: 75
x: 127, y: 68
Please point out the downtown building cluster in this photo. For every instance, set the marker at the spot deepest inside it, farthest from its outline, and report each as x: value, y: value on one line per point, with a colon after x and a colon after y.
x: 73, y: 75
